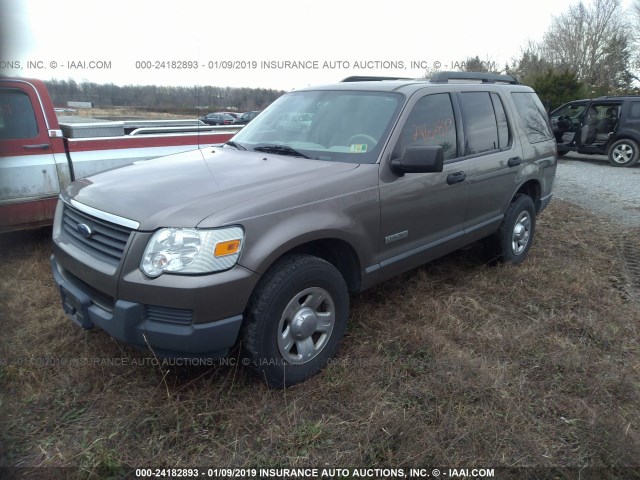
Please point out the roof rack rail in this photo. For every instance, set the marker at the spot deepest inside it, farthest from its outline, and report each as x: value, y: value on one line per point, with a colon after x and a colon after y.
x: 364, y: 78
x: 444, y: 77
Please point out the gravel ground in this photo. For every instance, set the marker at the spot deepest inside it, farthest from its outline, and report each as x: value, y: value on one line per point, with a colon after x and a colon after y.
x: 613, y: 193
x: 591, y: 182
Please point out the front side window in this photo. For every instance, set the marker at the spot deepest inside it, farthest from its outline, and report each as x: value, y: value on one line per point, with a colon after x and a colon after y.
x: 573, y: 110
x: 431, y: 123
x: 331, y: 125
x: 17, y: 118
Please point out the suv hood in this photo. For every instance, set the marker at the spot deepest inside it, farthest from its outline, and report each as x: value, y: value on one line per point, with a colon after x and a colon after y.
x: 183, y: 189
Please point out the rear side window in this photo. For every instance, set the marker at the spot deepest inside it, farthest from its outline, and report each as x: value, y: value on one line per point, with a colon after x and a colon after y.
x: 634, y: 110
x: 533, y: 116
x: 480, y: 121
x: 501, y: 121
x: 17, y: 119
x: 431, y: 123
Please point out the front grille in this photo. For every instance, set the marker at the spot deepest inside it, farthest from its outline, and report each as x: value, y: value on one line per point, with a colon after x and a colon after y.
x: 107, y: 240
x: 169, y: 315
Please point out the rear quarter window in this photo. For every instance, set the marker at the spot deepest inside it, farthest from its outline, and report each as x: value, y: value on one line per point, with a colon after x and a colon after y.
x: 634, y: 110
x: 534, y: 118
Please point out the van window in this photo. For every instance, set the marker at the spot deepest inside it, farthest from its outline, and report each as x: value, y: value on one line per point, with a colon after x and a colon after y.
x: 480, y: 121
x: 17, y: 118
x: 431, y: 123
x: 534, y: 118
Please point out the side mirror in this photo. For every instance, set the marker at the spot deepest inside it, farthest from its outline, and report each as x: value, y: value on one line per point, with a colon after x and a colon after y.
x: 419, y: 159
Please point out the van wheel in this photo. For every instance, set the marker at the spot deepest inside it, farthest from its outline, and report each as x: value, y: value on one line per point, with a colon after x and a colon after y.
x: 624, y: 153
x: 295, y: 320
x: 514, y: 238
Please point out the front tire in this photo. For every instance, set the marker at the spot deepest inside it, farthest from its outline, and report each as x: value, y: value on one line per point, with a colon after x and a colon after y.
x: 624, y: 153
x: 514, y: 238
x: 295, y: 320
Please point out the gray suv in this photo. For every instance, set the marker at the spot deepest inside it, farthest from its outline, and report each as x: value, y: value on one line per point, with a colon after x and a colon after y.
x: 257, y: 243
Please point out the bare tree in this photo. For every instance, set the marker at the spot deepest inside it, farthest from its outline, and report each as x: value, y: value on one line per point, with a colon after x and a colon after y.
x: 593, y: 41
x: 531, y: 64
x: 635, y: 14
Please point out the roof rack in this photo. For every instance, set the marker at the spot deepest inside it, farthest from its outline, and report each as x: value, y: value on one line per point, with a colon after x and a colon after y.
x: 444, y: 77
x: 613, y: 97
x: 360, y: 78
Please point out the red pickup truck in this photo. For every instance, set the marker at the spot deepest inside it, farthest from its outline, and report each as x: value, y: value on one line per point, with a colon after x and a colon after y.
x: 40, y: 155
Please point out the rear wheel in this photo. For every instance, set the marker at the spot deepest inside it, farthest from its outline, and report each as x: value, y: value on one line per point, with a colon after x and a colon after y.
x: 295, y: 319
x: 624, y: 153
x: 514, y: 238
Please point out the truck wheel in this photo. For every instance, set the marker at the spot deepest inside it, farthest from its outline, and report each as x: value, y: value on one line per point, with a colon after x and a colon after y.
x: 624, y: 153
x: 514, y: 238
x: 295, y: 319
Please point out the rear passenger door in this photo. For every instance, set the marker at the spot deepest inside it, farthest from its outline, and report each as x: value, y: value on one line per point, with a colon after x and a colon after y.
x: 493, y: 159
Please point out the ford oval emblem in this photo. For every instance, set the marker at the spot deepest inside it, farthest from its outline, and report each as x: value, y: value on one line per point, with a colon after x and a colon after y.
x: 84, y: 230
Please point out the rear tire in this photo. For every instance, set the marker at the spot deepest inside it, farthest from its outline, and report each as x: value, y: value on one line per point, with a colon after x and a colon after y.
x: 295, y: 320
x: 624, y: 153
x: 514, y: 238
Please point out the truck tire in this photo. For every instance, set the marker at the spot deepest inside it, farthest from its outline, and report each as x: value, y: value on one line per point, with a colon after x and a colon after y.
x: 514, y: 238
x: 624, y: 153
x: 295, y: 320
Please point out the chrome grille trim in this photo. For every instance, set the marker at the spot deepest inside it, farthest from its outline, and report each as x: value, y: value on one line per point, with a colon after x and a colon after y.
x: 94, y: 212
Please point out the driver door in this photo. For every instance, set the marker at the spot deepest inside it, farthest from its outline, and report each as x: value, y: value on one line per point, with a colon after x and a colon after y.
x: 567, y: 122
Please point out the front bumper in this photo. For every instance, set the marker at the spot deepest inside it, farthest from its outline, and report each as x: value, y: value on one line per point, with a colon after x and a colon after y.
x: 130, y: 322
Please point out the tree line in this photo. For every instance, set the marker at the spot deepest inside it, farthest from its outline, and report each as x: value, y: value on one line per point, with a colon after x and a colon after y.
x: 162, y: 98
x: 587, y: 51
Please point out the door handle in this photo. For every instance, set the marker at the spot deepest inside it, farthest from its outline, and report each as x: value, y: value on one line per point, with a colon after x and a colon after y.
x: 456, y: 177
x: 39, y: 146
x: 514, y: 161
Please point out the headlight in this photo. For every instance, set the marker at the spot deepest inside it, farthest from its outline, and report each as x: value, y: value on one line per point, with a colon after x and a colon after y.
x: 192, y: 251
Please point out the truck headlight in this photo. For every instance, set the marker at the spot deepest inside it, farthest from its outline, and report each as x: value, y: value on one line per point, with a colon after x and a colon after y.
x: 192, y: 251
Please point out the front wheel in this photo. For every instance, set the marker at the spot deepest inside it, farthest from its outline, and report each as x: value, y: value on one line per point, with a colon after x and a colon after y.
x: 295, y: 319
x: 514, y: 238
x: 624, y: 153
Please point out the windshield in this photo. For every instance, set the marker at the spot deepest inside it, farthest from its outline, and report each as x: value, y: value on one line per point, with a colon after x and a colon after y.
x: 342, y: 126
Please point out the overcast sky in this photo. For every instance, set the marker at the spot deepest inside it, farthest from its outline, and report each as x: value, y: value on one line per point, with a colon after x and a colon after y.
x: 229, y: 41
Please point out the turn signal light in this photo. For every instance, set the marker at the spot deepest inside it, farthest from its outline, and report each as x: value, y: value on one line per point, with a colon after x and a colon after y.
x: 227, y: 248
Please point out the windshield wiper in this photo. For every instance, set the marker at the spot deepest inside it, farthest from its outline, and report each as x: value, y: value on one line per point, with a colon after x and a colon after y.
x: 235, y: 145
x: 280, y: 150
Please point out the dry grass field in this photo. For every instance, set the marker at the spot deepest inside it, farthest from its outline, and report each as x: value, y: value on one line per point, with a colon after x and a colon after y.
x: 459, y: 363
x: 128, y: 113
